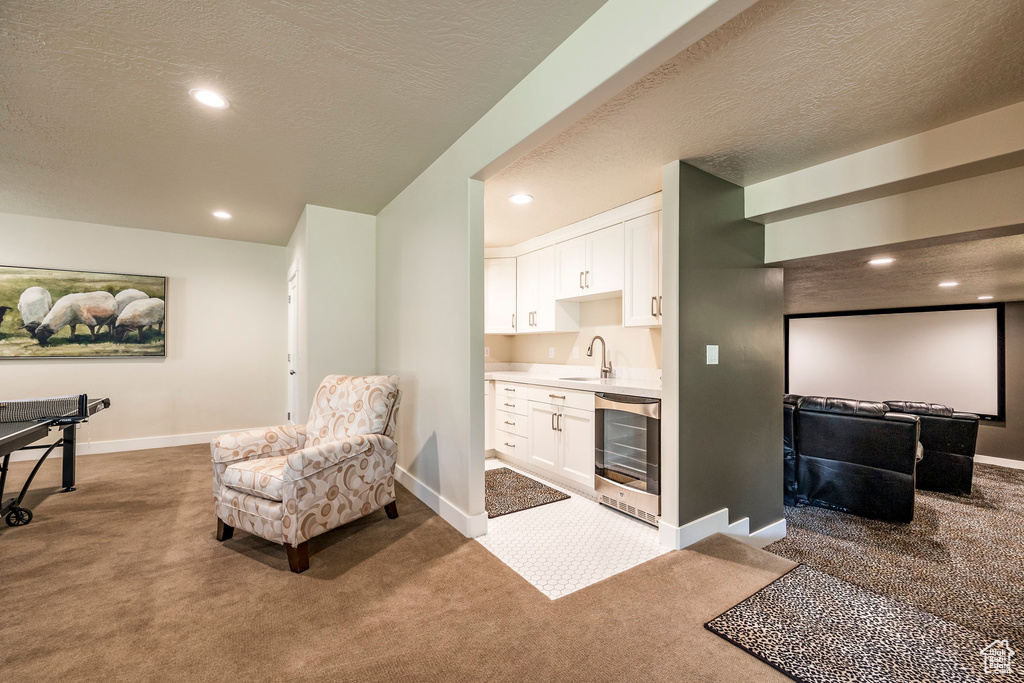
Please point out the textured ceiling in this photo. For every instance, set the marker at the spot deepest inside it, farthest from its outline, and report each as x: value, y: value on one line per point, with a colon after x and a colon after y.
x: 340, y: 104
x: 786, y: 85
x: 839, y: 282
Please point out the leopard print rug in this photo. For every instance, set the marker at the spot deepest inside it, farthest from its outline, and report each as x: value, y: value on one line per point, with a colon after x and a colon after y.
x: 961, y: 558
x: 816, y: 628
x: 507, y: 491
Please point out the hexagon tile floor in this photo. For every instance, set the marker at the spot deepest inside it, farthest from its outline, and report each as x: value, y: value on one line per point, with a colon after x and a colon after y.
x: 565, y: 546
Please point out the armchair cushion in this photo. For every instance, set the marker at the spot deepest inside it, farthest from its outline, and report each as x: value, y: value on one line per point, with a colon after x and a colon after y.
x: 351, y: 406
x: 263, y: 477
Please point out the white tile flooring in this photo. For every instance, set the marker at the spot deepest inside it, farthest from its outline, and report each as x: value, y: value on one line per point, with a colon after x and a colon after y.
x: 565, y: 546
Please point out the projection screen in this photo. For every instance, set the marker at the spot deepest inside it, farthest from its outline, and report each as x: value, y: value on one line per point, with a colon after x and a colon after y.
x: 952, y: 357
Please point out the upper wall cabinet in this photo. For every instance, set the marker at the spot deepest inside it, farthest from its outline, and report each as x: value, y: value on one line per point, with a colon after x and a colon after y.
x: 641, y: 294
x: 536, y: 307
x: 590, y: 266
x: 500, y: 296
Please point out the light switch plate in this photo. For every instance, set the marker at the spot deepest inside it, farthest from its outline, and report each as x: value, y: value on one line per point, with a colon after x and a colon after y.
x: 712, y: 354
x: 487, y: 352
x: 575, y: 352
x: 551, y: 352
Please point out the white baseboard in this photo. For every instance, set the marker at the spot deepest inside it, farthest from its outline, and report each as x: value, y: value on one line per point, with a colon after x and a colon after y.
x: 470, y: 526
x: 85, y: 447
x: 1002, y: 462
x: 679, y: 537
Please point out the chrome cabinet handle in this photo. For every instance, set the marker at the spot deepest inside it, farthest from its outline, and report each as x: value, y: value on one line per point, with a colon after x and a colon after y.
x: 509, y: 389
x: 559, y: 422
x: 513, y: 424
x: 553, y: 421
x: 581, y: 279
x: 586, y: 279
x: 511, y: 405
x: 555, y: 396
x: 659, y: 305
x: 654, y: 303
x: 513, y: 321
x: 510, y: 445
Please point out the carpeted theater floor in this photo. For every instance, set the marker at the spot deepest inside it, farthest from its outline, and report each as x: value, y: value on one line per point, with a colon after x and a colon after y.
x: 122, y: 580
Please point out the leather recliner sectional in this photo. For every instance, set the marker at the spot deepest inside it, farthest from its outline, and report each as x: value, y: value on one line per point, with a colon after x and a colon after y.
x: 855, y: 456
x: 949, y: 439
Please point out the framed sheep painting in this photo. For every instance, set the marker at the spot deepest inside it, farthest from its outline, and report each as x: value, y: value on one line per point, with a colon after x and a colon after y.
x: 49, y: 313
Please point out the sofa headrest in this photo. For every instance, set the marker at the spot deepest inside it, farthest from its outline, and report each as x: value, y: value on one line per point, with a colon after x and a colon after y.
x: 843, y: 406
x: 791, y: 399
x: 915, y: 408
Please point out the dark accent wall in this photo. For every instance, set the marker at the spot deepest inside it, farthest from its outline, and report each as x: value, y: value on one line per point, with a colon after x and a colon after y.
x: 730, y: 414
x: 1006, y: 439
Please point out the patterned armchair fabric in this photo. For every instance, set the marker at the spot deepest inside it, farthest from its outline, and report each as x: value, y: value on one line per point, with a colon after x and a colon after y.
x: 287, y: 484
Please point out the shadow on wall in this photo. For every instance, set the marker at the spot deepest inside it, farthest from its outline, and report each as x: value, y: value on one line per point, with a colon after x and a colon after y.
x: 425, y: 466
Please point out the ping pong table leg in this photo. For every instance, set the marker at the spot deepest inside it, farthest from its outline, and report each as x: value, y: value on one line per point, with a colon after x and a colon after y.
x: 68, y: 468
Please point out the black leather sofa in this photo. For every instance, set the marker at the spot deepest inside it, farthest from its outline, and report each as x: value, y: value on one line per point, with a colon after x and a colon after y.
x: 855, y: 456
x: 949, y: 439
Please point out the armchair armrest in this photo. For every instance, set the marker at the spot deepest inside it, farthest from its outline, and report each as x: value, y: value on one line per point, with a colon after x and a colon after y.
x: 257, y: 443
x: 308, y: 461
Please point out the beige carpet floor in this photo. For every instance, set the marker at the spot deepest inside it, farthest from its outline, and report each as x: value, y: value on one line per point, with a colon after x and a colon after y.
x: 122, y: 580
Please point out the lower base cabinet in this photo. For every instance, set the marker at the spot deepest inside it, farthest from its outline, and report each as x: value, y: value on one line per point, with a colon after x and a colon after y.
x: 562, y: 442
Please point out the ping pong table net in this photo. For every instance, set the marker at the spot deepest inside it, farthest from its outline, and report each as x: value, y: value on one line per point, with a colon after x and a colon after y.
x: 60, y: 409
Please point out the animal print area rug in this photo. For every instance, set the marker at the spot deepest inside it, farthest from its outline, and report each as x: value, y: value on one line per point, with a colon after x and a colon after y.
x: 507, y: 491
x: 816, y: 628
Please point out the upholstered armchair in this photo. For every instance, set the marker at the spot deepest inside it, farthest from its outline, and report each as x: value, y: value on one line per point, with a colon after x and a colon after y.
x: 288, y: 484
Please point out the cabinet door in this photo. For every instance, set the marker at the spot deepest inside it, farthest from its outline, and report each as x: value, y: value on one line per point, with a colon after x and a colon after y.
x: 544, y: 318
x: 576, y: 452
x: 605, y: 261
x: 526, y: 291
x: 500, y: 296
x: 543, y: 439
x: 642, y: 285
x: 570, y: 268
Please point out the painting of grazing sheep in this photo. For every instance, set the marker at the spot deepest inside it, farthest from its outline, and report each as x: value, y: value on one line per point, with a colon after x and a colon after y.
x: 48, y: 313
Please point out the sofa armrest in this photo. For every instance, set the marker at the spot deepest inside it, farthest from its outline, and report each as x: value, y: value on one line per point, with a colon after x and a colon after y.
x: 257, y: 443
x: 309, y: 461
x: 902, y: 417
x: 965, y: 416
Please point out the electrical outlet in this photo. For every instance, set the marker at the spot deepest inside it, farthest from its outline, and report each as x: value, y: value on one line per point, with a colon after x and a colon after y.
x: 487, y: 352
x: 575, y: 352
x: 551, y: 352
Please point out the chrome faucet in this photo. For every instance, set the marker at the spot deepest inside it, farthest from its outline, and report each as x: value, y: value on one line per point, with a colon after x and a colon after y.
x: 606, y: 367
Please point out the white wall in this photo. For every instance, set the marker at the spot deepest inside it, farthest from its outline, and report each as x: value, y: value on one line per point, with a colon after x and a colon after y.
x: 226, y: 313
x: 430, y: 240
x: 334, y: 254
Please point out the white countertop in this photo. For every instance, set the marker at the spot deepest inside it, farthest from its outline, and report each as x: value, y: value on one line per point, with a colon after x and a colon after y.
x: 645, y: 388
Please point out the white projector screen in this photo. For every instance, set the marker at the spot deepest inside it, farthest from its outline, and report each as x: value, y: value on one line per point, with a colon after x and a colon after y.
x: 949, y: 357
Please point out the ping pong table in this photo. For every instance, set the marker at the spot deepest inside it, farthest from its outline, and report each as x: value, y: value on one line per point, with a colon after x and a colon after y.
x: 21, y: 435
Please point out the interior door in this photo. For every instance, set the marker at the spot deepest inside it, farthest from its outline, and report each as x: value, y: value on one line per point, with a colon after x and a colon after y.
x: 570, y: 267
x: 543, y: 441
x: 293, y: 347
x: 605, y: 260
x: 500, y: 296
x: 643, y: 272
x: 577, y: 447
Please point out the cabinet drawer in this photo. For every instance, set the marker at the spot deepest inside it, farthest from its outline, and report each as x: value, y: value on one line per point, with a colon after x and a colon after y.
x: 512, y: 445
x: 510, y: 389
x: 563, y: 398
x: 511, y: 423
x: 514, y: 406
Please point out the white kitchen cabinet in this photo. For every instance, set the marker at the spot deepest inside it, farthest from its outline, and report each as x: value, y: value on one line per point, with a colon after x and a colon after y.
x: 500, y: 296
x: 641, y: 293
x: 576, y: 451
x: 590, y: 266
x: 544, y: 441
x: 536, y: 307
x: 488, y: 416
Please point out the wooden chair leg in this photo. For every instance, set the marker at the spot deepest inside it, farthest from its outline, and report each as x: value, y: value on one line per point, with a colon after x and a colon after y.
x: 224, y: 531
x: 392, y: 509
x: 298, y: 557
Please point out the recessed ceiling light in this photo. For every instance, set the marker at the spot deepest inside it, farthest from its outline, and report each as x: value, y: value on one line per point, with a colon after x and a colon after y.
x: 985, y: 298
x: 222, y: 214
x: 948, y: 284
x: 209, y: 98
x: 520, y: 199
x: 881, y: 261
